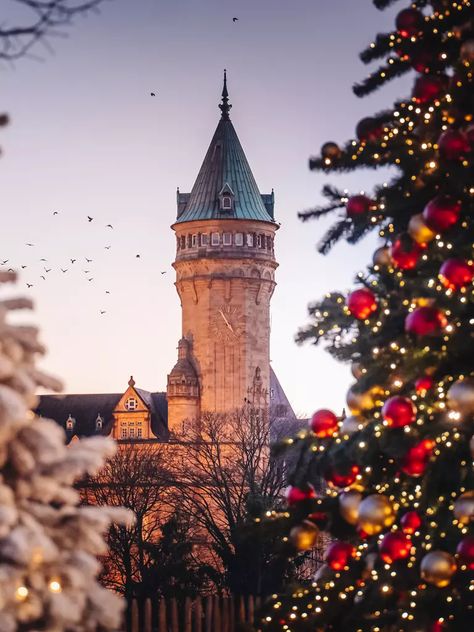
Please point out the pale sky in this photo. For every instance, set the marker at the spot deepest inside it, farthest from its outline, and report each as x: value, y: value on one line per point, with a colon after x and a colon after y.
x: 86, y: 138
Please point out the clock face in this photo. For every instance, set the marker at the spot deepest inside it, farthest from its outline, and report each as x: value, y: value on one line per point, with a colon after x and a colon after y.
x: 228, y: 323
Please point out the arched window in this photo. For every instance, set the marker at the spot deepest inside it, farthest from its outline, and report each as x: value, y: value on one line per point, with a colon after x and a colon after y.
x: 226, y: 203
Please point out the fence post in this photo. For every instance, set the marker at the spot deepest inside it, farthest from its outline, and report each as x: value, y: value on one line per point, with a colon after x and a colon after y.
x: 250, y: 609
x: 225, y: 614
x: 135, y: 618
x: 217, y: 615
x: 198, y: 615
x: 147, y: 625
x: 241, y: 610
x: 187, y: 615
x: 209, y: 614
x: 174, y: 616
x: 232, y: 613
x: 162, y: 626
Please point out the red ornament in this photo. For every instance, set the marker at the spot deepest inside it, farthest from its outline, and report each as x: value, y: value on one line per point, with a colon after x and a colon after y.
x: 361, y: 303
x: 295, y: 495
x: 441, y: 213
x: 405, y: 252
x: 456, y: 274
x: 416, y: 459
x: 425, y: 321
x: 421, y: 60
x: 423, y: 384
x: 369, y: 129
x: 465, y: 550
x: 358, y: 205
x: 410, y: 522
x: 428, y: 88
x: 338, y: 555
x: 453, y: 145
x: 343, y: 476
x: 394, y: 546
x: 409, y: 22
x: 324, y: 423
x: 399, y: 411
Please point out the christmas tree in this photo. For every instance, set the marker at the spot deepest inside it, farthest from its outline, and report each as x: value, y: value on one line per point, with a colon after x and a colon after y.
x: 48, y: 543
x: 398, y: 488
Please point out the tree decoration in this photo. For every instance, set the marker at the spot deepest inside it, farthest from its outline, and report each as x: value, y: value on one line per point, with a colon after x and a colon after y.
x: 304, y: 536
x: 360, y: 402
x: 453, y: 145
x: 419, y: 231
x: 417, y: 458
x: 349, y: 503
x: 324, y: 423
x: 339, y: 554
x: 467, y: 51
x: 437, y: 568
x: 295, y: 495
x: 471, y: 446
x: 409, y: 22
x: 331, y: 151
x: 461, y: 396
x: 376, y: 513
x: 425, y: 321
x: 405, y: 252
x: 464, y: 507
x: 352, y: 424
x: 342, y: 475
x: 427, y: 88
x: 399, y: 411
x: 442, y: 213
x: 357, y: 370
x: 465, y: 552
x: 361, y: 303
x: 423, y: 384
x: 359, y: 205
x: 456, y: 274
x: 410, y: 522
x: 382, y: 257
x: 369, y: 129
x: 394, y: 546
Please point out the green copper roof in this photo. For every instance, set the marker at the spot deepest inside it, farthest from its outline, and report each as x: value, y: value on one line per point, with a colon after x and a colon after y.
x: 225, y: 171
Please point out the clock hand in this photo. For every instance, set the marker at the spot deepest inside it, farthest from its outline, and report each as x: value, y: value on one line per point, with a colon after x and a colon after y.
x: 226, y: 321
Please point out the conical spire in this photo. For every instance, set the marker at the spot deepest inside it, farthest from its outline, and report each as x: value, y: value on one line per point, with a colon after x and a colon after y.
x: 225, y: 106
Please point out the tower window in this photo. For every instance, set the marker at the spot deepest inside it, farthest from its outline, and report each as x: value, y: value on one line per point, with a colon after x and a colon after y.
x: 239, y: 239
x: 183, y: 241
x: 227, y: 239
x: 269, y: 243
x: 188, y: 239
x: 250, y: 240
x: 194, y: 241
x: 131, y: 433
x: 139, y: 433
x: 259, y: 241
x: 131, y: 404
x: 226, y: 203
x: 204, y: 239
x: 124, y: 433
x: 215, y: 239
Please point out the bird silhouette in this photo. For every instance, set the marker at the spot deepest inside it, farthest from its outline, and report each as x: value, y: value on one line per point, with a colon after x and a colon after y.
x: 73, y: 260
x: 107, y: 292
x: 30, y: 244
x: 88, y: 260
x: 29, y: 285
x: 107, y: 247
x: 235, y: 19
x: 64, y: 269
x: 152, y: 94
x: 47, y: 269
x: 163, y: 271
x: 86, y: 271
x: 43, y: 260
x: 102, y: 311
x: 6, y: 261
x: 109, y: 226
x: 137, y: 256
x: 90, y: 218
x: 55, y: 212
x: 23, y: 267
x: 43, y: 277
x: 91, y: 279
x: 11, y: 270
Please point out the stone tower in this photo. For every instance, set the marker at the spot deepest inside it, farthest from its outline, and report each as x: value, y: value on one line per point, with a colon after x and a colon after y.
x: 225, y: 268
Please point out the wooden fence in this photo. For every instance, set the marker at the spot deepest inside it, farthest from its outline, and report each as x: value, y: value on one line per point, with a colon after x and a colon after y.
x: 208, y: 614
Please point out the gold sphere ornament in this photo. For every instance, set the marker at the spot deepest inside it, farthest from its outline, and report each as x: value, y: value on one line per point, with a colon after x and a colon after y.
x: 331, y: 150
x: 464, y: 507
x: 352, y: 424
x: 349, y: 503
x: 437, y: 568
x: 461, y: 396
x: 376, y: 513
x: 419, y: 231
x: 304, y: 536
x: 357, y: 370
x: 382, y: 257
x: 359, y: 402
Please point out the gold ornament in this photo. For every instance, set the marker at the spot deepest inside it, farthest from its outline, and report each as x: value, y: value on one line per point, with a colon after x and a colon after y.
x: 381, y: 257
x: 464, y: 507
x: 331, y: 150
x: 352, y: 424
x: 349, y: 505
x: 304, y: 535
x: 437, y: 568
x: 357, y: 370
x: 419, y: 231
x: 376, y: 513
x: 461, y: 396
x: 358, y: 402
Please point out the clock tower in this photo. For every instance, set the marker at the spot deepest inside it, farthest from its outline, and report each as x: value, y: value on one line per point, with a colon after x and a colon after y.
x: 225, y: 276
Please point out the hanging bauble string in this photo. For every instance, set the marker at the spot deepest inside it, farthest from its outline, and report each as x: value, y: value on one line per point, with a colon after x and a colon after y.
x: 405, y: 252
x: 349, y: 503
x: 381, y: 257
x: 465, y: 551
x: 453, y: 145
x: 359, y: 205
x: 456, y: 274
x: 295, y: 495
x: 361, y: 303
x: 399, y: 411
x: 425, y: 321
x: 376, y: 513
x: 338, y: 555
x: 410, y: 522
x: 409, y: 22
x: 437, y: 568
x: 324, y: 423
x: 461, y: 396
x: 464, y: 507
x: 304, y: 536
x: 394, y: 546
x: 419, y: 231
x: 441, y: 213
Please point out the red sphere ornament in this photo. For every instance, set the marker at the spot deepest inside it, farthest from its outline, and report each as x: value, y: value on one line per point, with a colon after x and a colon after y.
x: 405, y: 252
x: 358, y: 205
x: 428, y: 88
x: 324, y: 423
x: 409, y: 22
x: 425, y: 321
x: 338, y: 555
x: 452, y: 145
x: 465, y: 550
x: 295, y: 495
x: 424, y: 384
x: 399, y: 411
x: 361, y: 303
x: 441, y: 213
x: 410, y: 522
x: 421, y: 60
x: 416, y: 459
x: 342, y: 476
x: 456, y: 274
x: 369, y: 129
x: 394, y: 546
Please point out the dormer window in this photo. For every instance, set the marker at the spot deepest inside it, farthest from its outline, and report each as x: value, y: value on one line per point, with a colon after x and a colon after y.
x: 226, y: 203
x: 226, y: 199
x: 131, y: 403
x: 70, y: 422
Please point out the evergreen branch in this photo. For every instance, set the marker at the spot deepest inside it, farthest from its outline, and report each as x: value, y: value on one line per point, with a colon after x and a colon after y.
x: 338, y: 230
x: 379, y: 78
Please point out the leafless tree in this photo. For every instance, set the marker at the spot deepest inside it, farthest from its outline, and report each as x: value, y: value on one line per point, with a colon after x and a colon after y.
x: 38, y: 21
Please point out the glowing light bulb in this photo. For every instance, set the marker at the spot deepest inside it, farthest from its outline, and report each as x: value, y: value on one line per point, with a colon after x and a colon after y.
x: 55, y: 586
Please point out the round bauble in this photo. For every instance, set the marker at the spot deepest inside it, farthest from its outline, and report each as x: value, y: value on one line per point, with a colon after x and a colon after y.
x: 441, y: 213
x: 428, y: 88
x: 405, y: 252
x: 417, y: 457
x: 437, y: 568
x: 342, y: 475
x: 361, y: 303
x: 382, y: 257
x: 419, y: 231
x: 339, y: 554
x: 399, y: 411
x: 349, y: 503
x: 410, y: 522
x: 409, y: 22
x: 357, y: 370
x: 465, y: 551
x: 352, y: 424
x: 461, y: 396
x: 330, y: 151
x: 453, y: 145
x: 466, y: 51
x: 423, y: 384
x: 464, y: 507
x: 324, y: 423
x: 369, y: 129
x: 456, y: 274
x: 360, y: 402
x: 295, y: 495
x: 358, y: 205
x: 304, y: 536
x: 425, y: 321
x: 376, y: 513
x: 394, y: 546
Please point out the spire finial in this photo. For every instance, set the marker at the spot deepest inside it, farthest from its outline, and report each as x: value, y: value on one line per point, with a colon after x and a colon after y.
x: 225, y: 106
x: 131, y: 381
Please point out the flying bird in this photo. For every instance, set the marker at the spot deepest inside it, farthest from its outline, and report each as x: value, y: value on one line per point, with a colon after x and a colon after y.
x: 11, y: 270
x: 137, y: 256
x: 163, y: 271
x: 43, y: 260
x: 235, y: 19
x: 152, y: 94
x: 109, y: 226
x: 47, y: 269
x: 88, y: 260
x: 6, y: 261
x: 55, y: 212
x: 64, y: 269
x: 73, y: 260
x: 107, y: 292
x: 23, y: 267
x: 43, y: 277
x: 29, y: 285
x: 102, y: 311
x: 90, y: 218
x: 30, y: 244
x: 91, y: 279
x: 107, y: 247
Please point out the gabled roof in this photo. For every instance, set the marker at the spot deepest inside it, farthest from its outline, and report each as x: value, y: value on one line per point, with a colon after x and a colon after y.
x: 225, y: 163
